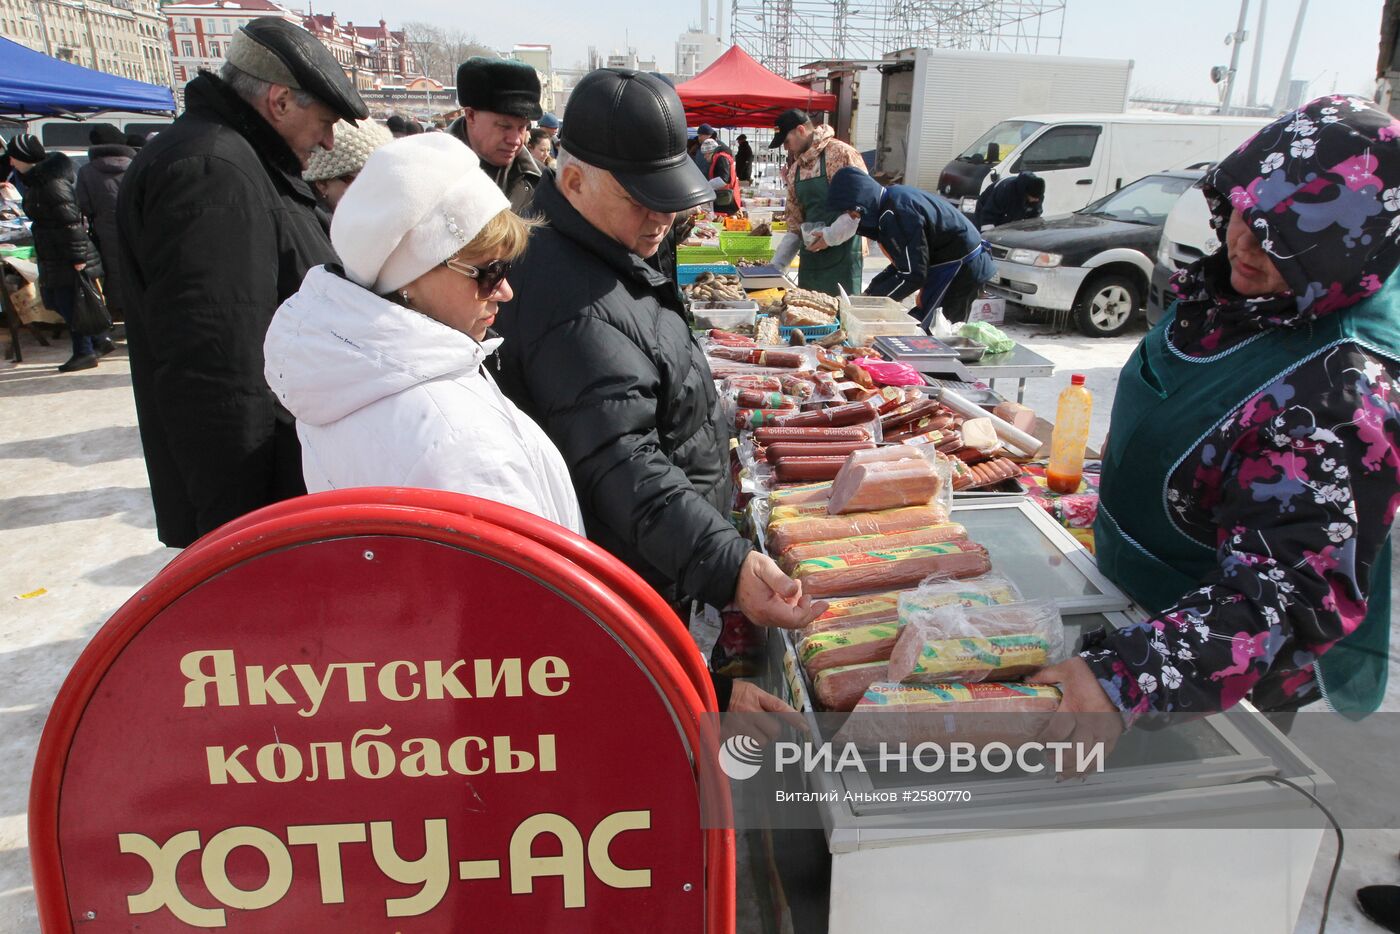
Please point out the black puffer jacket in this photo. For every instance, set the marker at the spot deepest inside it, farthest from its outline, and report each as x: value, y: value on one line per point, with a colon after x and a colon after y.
x: 60, y: 237
x: 216, y: 229
x: 98, y: 184
x: 598, y: 351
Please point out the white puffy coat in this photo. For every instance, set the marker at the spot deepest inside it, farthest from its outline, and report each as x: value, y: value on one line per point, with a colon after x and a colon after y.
x: 385, y: 396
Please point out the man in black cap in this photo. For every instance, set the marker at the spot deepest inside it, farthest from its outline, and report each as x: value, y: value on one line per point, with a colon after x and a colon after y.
x: 216, y: 228
x: 500, y: 98
x: 598, y: 351
x: 830, y: 257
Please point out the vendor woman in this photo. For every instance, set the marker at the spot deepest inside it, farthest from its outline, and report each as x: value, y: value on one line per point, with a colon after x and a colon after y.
x: 1252, y: 469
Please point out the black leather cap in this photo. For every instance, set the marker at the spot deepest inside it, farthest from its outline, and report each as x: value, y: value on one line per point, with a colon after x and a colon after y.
x: 632, y: 124
x: 788, y: 121
x: 502, y: 86
x: 309, y: 63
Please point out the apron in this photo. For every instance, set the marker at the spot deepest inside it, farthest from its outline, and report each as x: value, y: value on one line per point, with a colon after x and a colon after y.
x: 1165, y: 405
x: 835, y: 266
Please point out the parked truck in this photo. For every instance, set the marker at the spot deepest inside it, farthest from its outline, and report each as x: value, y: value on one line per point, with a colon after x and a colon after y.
x: 935, y: 103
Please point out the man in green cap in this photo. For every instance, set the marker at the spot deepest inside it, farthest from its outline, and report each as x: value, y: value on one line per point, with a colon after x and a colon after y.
x: 500, y: 98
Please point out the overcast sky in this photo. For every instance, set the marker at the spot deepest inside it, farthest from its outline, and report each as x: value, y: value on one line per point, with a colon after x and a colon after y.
x: 1173, y: 43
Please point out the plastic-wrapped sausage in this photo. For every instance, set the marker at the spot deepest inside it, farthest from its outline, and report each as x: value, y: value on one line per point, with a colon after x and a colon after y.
x: 784, y: 359
x: 853, y: 413
x: 933, y: 534
x: 865, y: 572
x: 811, y: 433
x: 910, y: 412
x: 781, y: 449
x: 807, y: 493
x: 839, y: 689
x: 978, y: 713
x: 753, y: 418
x: 886, y: 478
x: 759, y: 399
x: 786, y: 532
x: 730, y: 338
x: 802, y: 469
x: 797, y: 387
x: 761, y: 383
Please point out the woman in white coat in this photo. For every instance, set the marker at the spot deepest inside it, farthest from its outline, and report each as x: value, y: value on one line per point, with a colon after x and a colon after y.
x: 382, y: 362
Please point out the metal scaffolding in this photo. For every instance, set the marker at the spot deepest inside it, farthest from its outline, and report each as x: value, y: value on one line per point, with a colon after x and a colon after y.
x: 786, y: 34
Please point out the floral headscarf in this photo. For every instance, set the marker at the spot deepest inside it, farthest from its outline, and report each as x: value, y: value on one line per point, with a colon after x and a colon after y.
x: 1321, y: 189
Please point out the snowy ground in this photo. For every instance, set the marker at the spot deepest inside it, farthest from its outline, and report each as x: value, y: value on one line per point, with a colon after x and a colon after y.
x: 79, y: 540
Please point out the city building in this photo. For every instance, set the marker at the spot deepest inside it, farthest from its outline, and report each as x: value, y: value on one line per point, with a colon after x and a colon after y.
x: 120, y: 37
x: 540, y: 58
x: 697, y: 49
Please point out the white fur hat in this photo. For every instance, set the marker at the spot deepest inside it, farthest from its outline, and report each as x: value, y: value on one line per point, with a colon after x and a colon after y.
x: 417, y: 201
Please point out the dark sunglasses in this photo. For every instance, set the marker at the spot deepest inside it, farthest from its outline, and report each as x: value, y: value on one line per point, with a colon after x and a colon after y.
x: 488, y: 278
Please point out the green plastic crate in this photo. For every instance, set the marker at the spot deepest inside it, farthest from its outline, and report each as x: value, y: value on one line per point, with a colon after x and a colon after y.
x: 700, y: 254
x: 740, y: 245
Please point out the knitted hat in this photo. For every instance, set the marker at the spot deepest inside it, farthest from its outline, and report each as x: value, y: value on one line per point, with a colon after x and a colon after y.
x: 417, y: 202
x: 26, y: 148
x: 353, y: 144
x: 104, y: 134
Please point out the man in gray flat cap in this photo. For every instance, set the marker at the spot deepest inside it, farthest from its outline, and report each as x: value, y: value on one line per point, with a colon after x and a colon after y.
x: 499, y: 98
x: 217, y: 229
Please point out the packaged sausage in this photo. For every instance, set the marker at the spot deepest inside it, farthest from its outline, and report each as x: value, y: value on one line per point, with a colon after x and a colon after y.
x: 886, y: 478
x: 941, y: 532
x: 784, y: 533
x: 978, y: 713
x: 848, y: 612
x: 805, y: 469
x: 761, y: 356
x: 918, y: 604
x: 835, y: 416
x: 813, y: 433
x: 805, y: 493
x: 980, y: 643
x: 840, y: 688
x: 864, y: 572
x: 781, y: 449
x: 753, y: 418
x: 762, y: 399
x: 853, y: 645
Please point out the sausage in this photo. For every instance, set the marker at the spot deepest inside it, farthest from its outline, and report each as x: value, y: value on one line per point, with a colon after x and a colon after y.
x: 855, y: 645
x: 969, y: 456
x: 891, y: 398
x: 730, y: 338
x: 759, y: 399
x: 801, y: 469
x: 782, y: 535
x: 763, y: 383
x: 796, y: 386
x: 814, y: 433
x: 785, y: 359
x: 979, y: 713
x: 912, y: 412
x: 753, y: 418
x: 858, y: 375
x: 840, y: 688
x: 920, y: 426
x: 868, y: 487
x: 928, y: 437
x: 831, y: 361
x: 916, y: 659
x: 853, y: 413
x: 843, y: 612
x: 941, y: 532
x: 864, y: 572
x: 800, y: 495
x: 782, y: 449
x: 988, y: 474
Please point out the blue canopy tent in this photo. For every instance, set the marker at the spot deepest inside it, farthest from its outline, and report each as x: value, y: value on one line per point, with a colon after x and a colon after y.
x: 33, y: 84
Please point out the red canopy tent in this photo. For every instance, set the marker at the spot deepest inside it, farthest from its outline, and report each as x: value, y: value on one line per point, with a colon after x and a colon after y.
x: 738, y: 91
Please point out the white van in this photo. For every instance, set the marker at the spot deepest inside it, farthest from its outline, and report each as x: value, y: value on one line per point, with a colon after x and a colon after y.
x: 71, y: 136
x: 1083, y: 157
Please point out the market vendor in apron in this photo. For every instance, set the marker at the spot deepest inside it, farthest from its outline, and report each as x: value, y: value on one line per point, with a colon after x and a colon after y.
x: 815, y: 155
x: 932, y: 246
x: 1252, y: 469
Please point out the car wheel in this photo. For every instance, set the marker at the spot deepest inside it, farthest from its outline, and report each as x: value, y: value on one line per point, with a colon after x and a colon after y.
x: 1107, y: 305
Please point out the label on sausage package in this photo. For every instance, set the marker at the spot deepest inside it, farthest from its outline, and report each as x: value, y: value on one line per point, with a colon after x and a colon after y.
x: 949, y: 658
x: 814, y: 645
x: 887, y: 694
x: 868, y: 558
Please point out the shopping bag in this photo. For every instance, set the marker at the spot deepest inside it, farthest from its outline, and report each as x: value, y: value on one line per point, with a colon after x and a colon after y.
x: 90, y: 315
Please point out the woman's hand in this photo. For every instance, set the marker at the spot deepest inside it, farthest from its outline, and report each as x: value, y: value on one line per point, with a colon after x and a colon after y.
x: 1086, y: 716
x: 817, y: 245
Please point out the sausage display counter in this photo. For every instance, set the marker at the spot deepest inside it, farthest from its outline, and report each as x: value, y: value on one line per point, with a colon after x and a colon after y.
x: 1175, y: 834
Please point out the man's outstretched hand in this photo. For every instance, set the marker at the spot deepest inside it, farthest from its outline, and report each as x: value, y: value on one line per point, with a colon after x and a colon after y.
x: 768, y: 597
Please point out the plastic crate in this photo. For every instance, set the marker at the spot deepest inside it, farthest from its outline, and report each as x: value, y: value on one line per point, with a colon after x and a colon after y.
x: 687, y: 273
x: 700, y: 254
x: 746, y: 246
x: 810, y: 331
x: 723, y: 315
x: 867, y: 317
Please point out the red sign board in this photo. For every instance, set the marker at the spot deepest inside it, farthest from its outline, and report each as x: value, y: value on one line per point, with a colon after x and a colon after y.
x: 374, y: 725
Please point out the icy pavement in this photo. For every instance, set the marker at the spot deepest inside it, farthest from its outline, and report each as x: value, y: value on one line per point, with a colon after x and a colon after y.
x: 79, y: 540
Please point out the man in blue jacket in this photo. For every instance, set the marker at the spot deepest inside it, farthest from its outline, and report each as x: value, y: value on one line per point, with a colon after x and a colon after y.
x: 932, y: 246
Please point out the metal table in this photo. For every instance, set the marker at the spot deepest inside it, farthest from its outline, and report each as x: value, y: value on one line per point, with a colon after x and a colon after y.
x: 1019, y: 363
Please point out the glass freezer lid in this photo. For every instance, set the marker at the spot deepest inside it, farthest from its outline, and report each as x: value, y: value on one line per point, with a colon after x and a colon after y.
x: 1039, y: 556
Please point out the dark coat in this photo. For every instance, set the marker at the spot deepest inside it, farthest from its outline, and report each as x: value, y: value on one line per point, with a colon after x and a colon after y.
x: 1005, y: 202
x: 98, y: 184
x: 743, y: 159
x: 915, y: 228
x: 519, y: 179
x: 216, y: 229
x: 598, y: 351
x: 60, y: 236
